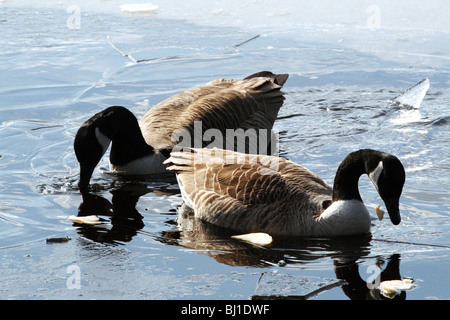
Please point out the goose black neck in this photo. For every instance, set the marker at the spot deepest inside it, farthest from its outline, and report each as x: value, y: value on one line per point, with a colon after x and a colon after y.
x: 350, y: 170
x: 127, y: 141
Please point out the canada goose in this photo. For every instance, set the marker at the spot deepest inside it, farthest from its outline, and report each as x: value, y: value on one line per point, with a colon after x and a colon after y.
x: 258, y: 193
x: 141, y: 148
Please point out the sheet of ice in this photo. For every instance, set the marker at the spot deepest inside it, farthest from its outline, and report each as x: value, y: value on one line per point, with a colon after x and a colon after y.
x: 413, y: 96
x: 277, y: 285
x: 404, y: 14
x: 140, y: 9
x: 409, y: 32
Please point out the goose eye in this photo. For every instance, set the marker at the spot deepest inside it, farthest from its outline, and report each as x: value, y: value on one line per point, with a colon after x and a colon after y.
x: 376, y: 174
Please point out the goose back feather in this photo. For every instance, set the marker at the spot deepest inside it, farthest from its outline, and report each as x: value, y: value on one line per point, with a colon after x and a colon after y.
x: 251, y: 103
x: 248, y: 192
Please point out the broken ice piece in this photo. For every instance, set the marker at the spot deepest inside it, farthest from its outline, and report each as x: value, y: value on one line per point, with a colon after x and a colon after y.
x: 379, y: 212
x: 134, y: 9
x: 413, y: 96
x: 258, y: 238
x: 391, y: 288
x: 92, y: 220
x: 279, y: 285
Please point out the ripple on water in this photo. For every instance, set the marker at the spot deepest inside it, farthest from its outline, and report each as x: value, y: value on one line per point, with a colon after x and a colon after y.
x: 334, y: 106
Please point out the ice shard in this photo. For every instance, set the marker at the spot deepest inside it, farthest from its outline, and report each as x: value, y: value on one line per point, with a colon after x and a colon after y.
x: 138, y: 9
x: 412, y: 97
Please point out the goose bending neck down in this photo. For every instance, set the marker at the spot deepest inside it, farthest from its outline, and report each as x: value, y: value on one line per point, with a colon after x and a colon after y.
x: 257, y: 193
x: 141, y: 147
x: 129, y: 151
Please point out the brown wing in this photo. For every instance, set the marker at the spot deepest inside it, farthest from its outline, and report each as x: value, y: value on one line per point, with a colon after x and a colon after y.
x: 221, y: 104
x: 248, y: 192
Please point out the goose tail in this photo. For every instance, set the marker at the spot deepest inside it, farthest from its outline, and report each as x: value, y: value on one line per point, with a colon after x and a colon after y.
x: 181, y: 161
x: 278, y: 79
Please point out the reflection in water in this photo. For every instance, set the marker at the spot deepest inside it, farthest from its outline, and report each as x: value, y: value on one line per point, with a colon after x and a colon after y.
x: 358, y: 289
x: 125, y: 219
x: 217, y: 243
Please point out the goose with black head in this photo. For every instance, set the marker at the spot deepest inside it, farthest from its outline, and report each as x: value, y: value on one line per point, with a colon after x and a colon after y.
x: 257, y: 193
x: 141, y: 147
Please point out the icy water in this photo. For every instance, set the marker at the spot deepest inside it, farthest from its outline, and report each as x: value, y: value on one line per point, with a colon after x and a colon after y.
x: 58, y: 67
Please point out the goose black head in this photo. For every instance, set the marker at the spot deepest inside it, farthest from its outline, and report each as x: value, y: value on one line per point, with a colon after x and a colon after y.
x: 388, y: 176
x: 92, y: 141
x: 116, y: 126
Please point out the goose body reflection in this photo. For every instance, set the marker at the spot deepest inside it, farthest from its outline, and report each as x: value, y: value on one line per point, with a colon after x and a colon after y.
x: 291, y: 252
x: 125, y: 220
x: 141, y: 147
x: 256, y: 193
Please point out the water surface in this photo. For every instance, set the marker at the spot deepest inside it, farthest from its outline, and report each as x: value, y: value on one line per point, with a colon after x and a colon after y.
x: 341, y: 78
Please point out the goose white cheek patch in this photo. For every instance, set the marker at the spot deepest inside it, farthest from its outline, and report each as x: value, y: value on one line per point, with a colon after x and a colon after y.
x: 375, y: 174
x: 102, y: 139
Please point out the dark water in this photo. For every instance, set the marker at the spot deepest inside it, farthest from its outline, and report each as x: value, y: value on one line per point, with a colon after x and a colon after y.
x: 53, y: 78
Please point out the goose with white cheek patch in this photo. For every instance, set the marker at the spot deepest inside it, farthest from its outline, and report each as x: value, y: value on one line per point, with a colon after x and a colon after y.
x: 257, y: 193
x: 141, y: 147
